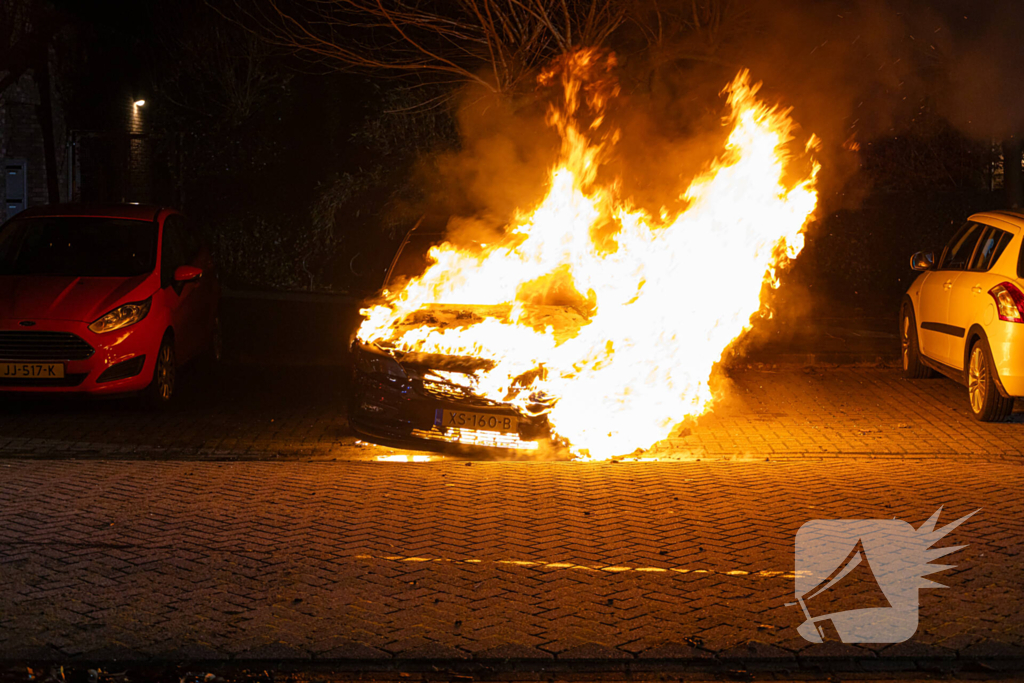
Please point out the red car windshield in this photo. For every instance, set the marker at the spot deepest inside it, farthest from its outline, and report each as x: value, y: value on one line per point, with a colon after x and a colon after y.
x: 78, y: 246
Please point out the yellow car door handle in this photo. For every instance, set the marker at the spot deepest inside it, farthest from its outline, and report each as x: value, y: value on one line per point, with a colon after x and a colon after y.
x: 948, y: 284
x: 976, y: 289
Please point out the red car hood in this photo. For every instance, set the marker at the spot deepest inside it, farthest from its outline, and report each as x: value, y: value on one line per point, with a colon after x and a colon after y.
x: 30, y: 297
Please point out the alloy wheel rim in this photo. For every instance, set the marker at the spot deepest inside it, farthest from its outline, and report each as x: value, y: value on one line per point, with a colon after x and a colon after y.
x: 165, y: 373
x: 977, y: 380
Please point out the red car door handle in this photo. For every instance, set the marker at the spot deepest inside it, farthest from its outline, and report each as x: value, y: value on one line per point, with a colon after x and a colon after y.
x: 976, y: 289
x: 948, y: 284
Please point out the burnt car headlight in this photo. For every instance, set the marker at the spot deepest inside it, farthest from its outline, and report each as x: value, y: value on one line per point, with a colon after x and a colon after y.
x: 122, y: 316
x: 373, y: 362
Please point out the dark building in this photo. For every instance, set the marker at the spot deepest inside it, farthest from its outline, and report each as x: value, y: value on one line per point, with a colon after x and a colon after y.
x: 22, y: 150
x: 113, y: 163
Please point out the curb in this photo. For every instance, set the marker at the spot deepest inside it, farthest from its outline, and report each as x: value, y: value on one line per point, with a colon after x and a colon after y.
x: 736, y: 666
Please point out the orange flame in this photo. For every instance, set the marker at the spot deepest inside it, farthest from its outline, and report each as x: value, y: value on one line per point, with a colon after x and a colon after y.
x: 662, y: 298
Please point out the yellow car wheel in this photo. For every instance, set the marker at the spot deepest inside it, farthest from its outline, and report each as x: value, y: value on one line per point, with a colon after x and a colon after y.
x: 987, y: 404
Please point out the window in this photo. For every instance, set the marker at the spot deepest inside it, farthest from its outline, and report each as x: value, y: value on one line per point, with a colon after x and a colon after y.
x: 992, y: 244
x: 76, y: 246
x: 961, y: 247
x: 1020, y: 263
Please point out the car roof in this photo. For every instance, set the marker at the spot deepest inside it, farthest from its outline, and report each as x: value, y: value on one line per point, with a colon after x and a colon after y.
x: 137, y: 212
x: 1014, y: 218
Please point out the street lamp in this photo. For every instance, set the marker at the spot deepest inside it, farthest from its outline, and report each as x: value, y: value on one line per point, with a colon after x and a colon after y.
x: 139, y: 103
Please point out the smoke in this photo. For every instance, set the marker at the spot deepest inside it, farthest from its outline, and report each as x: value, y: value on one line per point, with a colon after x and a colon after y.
x: 866, y: 70
x: 983, y: 94
x: 853, y: 71
x: 500, y: 166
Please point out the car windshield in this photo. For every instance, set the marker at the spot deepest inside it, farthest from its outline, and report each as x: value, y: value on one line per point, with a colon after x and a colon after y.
x: 78, y: 246
x: 412, y: 261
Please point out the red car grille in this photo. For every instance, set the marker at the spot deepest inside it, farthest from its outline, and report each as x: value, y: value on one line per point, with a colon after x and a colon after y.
x: 18, y: 345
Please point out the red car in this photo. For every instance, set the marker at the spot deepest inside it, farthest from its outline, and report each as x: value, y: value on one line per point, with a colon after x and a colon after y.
x: 103, y: 300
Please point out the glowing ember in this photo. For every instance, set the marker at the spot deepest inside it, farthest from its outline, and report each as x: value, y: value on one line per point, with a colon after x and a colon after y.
x: 661, y: 298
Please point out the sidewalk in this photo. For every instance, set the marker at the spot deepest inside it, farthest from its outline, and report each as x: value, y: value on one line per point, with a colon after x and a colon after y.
x: 818, y: 413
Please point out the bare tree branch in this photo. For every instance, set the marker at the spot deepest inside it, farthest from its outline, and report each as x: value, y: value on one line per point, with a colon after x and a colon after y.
x: 493, y: 43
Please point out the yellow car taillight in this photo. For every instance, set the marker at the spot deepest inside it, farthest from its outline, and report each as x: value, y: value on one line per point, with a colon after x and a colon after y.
x: 1009, y: 302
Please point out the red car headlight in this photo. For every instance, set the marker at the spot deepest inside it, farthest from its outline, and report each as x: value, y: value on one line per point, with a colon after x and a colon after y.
x: 122, y: 316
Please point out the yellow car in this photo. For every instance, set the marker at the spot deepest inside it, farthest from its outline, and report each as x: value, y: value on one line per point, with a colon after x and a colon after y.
x: 964, y: 314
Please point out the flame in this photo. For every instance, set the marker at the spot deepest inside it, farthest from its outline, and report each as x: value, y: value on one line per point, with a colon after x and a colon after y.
x: 663, y: 296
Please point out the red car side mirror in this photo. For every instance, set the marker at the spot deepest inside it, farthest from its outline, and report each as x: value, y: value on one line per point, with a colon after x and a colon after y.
x: 187, y: 273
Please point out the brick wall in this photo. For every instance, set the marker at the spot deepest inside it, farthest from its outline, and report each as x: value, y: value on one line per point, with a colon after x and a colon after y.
x: 115, y: 163
x: 140, y: 162
x: 21, y: 137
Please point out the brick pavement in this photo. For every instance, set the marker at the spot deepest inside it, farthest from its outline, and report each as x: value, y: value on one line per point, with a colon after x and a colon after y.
x: 530, y: 561
x: 300, y: 414
x: 246, y: 524
x: 245, y: 412
x: 867, y: 412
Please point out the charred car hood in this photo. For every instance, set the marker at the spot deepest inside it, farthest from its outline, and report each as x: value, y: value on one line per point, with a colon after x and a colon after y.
x: 565, y: 323
x: 33, y: 297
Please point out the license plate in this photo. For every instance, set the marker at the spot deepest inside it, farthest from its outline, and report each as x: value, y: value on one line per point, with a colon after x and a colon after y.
x: 485, y: 421
x: 31, y: 370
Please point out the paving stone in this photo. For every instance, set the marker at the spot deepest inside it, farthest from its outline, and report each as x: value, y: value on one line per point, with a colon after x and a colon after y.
x: 832, y: 651
x: 352, y: 650
x: 513, y: 651
x: 429, y: 650
x: 592, y: 651
x: 676, y: 651
x: 272, y: 651
x: 993, y: 649
x: 915, y: 650
x: 174, y: 556
x: 755, y: 650
x: 190, y: 652
x: 761, y: 413
x: 114, y: 653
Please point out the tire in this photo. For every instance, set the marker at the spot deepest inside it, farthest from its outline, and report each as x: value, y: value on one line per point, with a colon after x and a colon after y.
x: 913, y: 368
x: 987, y: 404
x: 161, y: 390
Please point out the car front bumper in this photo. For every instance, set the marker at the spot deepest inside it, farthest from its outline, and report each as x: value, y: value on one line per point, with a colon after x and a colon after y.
x: 408, y: 411
x: 121, y: 361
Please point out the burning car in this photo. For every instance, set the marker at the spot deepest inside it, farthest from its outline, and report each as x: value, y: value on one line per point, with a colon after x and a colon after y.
x: 587, y: 321
x: 406, y: 396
